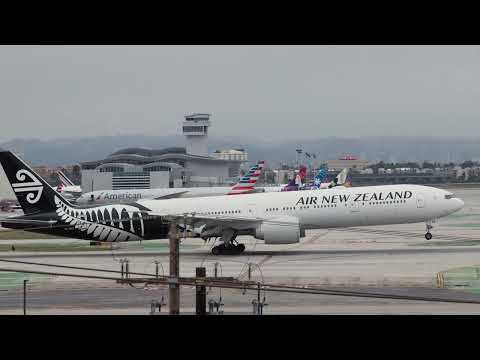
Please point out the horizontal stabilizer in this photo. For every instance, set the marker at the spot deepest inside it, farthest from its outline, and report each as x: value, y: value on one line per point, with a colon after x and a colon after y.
x: 28, y: 221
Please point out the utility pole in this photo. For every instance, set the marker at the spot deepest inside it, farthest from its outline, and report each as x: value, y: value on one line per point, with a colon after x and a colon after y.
x: 25, y: 297
x: 201, y: 293
x: 258, y: 292
x: 257, y: 305
x: 174, y: 287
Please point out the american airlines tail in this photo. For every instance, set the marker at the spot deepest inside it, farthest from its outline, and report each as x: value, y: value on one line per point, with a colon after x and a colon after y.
x: 247, y: 182
x: 64, y: 179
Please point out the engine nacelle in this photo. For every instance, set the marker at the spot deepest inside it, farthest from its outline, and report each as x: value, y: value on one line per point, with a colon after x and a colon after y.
x: 280, y: 230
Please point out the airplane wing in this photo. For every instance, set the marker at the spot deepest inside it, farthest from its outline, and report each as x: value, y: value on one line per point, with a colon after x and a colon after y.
x: 202, y: 219
x: 170, y: 196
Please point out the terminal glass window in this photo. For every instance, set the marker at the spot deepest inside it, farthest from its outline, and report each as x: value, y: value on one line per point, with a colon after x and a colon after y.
x: 111, y: 169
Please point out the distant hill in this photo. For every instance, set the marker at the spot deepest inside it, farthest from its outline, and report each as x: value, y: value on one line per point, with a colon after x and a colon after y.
x: 389, y: 149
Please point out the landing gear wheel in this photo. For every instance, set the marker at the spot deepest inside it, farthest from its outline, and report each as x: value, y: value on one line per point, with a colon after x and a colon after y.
x: 228, y: 250
x: 428, y: 236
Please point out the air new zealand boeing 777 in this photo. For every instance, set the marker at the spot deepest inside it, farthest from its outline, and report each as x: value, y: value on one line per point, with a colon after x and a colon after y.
x: 275, y: 217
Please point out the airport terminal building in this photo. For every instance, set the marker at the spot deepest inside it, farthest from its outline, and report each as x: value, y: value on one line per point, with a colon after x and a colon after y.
x: 140, y: 168
x: 348, y: 161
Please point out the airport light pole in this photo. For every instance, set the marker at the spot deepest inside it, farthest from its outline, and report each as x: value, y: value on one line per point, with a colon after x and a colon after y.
x: 25, y: 297
x: 299, y: 151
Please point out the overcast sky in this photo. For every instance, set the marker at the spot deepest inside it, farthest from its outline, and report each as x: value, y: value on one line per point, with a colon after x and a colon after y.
x: 267, y: 92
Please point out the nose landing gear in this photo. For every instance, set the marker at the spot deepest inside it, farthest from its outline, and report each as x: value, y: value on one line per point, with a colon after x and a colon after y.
x: 429, y: 226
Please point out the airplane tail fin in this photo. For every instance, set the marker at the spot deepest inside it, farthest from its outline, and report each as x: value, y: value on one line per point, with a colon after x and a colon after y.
x: 342, y: 177
x: 65, y: 181
x: 33, y: 193
x: 302, y: 172
x: 247, y: 182
x: 320, y: 177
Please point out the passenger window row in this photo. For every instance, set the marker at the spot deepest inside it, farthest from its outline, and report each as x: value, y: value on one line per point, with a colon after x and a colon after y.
x: 387, y: 202
x: 300, y: 207
x: 226, y: 212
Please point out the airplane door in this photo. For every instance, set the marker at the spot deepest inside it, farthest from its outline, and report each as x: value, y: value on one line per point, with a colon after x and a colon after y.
x: 420, y: 201
x: 251, y: 210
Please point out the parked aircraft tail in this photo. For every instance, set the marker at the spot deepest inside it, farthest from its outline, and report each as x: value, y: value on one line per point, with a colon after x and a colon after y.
x: 302, y: 172
x: 320, y: 177
x: 248, y: 181
x: 340, y: 179
x: 64, y: 180
x: 33, y: 193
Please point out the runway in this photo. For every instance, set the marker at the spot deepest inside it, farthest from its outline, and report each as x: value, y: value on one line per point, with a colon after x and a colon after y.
x: 136, y: 301
x: 393, y: 258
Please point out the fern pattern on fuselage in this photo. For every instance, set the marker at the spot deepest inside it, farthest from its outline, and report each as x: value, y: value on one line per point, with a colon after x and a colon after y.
x: 103, y: 223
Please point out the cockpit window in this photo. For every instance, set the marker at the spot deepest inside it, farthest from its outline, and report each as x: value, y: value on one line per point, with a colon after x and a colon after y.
x: 449, y: 196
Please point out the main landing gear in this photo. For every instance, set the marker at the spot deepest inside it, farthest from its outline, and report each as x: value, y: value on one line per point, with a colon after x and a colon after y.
x: 233, y: 248
x: 229, y: 245
x: 429, y: 226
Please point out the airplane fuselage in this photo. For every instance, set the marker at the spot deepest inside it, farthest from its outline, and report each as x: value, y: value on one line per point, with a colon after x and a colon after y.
x: 132, y: 195
x: 337, y: 207
x: 315, y: 209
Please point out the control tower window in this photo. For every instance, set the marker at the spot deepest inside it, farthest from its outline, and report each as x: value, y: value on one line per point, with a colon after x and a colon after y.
x: 194, y: 128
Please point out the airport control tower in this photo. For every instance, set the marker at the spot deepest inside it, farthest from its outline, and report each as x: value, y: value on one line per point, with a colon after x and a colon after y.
x: 195, y: 129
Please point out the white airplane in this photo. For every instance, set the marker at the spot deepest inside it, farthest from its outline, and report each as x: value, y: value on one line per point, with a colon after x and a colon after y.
x: 245, y: 185
x: 283, y: 217
x: 276, y: 217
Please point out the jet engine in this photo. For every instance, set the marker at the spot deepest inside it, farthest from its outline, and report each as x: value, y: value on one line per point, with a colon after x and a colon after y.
x: 280, y: 230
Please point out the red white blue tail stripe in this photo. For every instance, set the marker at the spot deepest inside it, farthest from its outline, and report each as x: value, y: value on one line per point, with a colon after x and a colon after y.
x: 248, y: 181
x: 65, y: 181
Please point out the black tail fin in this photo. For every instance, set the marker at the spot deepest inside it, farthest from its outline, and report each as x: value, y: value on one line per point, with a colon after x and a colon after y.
x: 33, y: 193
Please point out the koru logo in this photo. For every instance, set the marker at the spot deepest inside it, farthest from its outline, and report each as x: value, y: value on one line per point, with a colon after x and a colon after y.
x: 34, y: 187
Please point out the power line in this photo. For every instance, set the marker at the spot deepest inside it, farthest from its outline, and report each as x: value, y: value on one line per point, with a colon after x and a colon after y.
x: 254, y: 287
x: 76, y: 267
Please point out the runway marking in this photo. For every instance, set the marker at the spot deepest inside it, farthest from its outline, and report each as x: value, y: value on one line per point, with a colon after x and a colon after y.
x: 268, y: 257
x: 314, y: 238
x: 402, y: 233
